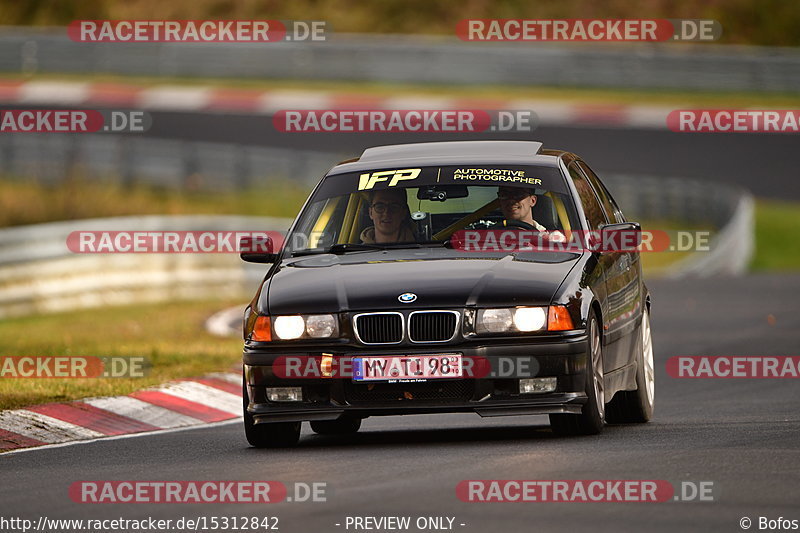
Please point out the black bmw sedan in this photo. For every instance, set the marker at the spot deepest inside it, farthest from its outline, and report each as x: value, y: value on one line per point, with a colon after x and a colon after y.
x: 447, y: 277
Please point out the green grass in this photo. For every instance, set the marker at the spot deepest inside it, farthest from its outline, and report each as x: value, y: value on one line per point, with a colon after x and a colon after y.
x: 658, y: 263
x: 170, y: 336
x: 29, y: 202
x: 777, y: 232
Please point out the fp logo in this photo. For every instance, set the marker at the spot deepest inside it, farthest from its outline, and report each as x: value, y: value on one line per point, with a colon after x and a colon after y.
x: 368, y: 181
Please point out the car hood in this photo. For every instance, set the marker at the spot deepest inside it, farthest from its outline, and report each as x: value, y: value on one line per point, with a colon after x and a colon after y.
x: 375, y: 280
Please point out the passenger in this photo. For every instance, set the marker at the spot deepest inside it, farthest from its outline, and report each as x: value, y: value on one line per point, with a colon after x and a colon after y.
x: 389, y: 212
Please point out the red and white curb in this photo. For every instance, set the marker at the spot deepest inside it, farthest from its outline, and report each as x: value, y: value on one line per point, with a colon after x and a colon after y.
x: 184, y: 403
x: 184, y: 98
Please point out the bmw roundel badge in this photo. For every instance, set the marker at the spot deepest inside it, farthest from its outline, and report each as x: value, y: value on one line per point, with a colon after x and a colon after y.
x: 407, y: 297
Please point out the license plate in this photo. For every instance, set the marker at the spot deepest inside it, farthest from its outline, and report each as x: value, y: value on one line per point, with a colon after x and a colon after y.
x: 403, y: 368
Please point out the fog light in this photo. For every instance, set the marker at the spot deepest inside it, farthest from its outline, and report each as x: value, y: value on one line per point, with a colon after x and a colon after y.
x: 285, y: 394
x: 537, y: 385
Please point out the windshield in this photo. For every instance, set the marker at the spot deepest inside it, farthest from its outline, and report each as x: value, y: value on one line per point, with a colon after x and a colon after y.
x: 415, y: 207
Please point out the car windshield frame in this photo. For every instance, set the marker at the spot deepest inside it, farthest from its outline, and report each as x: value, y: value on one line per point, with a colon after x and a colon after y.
x: 346, y: 195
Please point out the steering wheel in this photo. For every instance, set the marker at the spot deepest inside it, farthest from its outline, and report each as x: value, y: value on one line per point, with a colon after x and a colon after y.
x: 479, y: 224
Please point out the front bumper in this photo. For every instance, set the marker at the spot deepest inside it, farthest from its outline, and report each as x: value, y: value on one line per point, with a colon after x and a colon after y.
x: 495, y: 394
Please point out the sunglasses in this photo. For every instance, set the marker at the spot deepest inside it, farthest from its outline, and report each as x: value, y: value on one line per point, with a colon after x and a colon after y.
x: 381, y: 207
x: 514, y: 197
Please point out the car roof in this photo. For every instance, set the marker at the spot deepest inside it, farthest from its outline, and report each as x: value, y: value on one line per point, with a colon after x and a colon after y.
x: 451, y: 153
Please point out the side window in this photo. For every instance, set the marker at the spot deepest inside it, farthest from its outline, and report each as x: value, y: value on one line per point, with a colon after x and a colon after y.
x: 591, y: 206
x: 611, y: 208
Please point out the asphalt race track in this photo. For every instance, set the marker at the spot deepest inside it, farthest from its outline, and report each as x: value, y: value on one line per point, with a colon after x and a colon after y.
x: 742, y: 435
x: 759, y: 162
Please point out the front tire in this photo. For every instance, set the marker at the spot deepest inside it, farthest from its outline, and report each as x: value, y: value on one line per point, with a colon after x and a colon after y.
x: 269, y: 435
x: 636, y: 407
x: 592, y: 417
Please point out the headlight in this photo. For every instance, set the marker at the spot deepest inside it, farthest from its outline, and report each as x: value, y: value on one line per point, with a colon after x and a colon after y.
x: 494, y: 320
x: 511, y: 320
x: 530, y: 318
x: 289, y: 327
x: 310, y: 326
x: 319, y: 326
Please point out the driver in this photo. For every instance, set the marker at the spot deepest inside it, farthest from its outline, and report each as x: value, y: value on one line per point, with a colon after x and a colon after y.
x: 517, y: 205
x: 388, y: 210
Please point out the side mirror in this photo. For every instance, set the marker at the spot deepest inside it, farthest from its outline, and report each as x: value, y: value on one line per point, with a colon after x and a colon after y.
x: 621, y: 237
x: 257, y: 249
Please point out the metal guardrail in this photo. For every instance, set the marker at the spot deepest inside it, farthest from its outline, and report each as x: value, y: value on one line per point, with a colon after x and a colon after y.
x: 39, y: 274
x: 418, y: 59
x: 685, y: 201
x: 164, y: 162
x: 728, y: 210
x: 732, y: 247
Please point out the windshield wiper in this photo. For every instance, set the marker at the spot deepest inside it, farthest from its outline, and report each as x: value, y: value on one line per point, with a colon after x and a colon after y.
x: 348, y: 247
x: 339, y: 249
x: 343, y: 248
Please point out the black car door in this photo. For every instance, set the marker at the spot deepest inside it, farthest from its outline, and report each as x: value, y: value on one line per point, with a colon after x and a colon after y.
x: 623, y: 283
x: 610, y: 294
